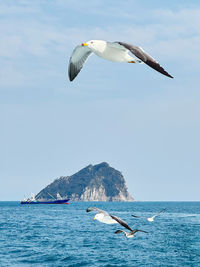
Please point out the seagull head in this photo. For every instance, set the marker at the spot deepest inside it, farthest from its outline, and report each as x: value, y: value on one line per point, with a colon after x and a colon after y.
x: 95, y: 45
x: 98, y: 217
x: 91, y: 44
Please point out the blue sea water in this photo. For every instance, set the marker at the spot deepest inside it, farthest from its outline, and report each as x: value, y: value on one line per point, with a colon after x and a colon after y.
x: 65, y: 235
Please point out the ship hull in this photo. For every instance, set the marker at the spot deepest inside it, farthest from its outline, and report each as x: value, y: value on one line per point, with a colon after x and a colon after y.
x: 62, y: 201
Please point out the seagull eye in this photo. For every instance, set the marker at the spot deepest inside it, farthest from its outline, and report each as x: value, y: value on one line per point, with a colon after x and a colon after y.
x: 91, y: 42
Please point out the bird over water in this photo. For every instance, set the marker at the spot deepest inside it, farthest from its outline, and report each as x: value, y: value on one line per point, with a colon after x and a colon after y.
x: 112, y: 51
x: 105, y: 217
x: 150, y: 219
x: 102, y: 215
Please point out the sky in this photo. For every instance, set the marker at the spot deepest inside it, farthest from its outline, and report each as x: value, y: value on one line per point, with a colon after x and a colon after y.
x: 142, y: 123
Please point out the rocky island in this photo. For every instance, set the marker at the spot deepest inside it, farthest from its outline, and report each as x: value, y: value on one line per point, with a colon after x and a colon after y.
x: 93, y: 183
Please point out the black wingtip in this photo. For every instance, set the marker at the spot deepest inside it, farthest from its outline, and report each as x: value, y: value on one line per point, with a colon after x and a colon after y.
x: 162, y: 71
x: 89, y: 209
x: 170, y: 76
x: 118, y: 231
x: 72, y: 72
x: 134, y: 216
x: 71, y: 77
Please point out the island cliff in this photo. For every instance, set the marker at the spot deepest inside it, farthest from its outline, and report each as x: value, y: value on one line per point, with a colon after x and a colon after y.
x: 93, y: 183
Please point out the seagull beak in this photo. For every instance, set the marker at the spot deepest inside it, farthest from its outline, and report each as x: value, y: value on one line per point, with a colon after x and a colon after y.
x: 84, y: 44
x: 94, y: 218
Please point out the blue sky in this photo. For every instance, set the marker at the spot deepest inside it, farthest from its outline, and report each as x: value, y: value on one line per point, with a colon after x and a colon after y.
x: 139, y: 121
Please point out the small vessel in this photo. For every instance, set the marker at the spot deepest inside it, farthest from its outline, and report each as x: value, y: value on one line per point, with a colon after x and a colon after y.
x: 33, y: 200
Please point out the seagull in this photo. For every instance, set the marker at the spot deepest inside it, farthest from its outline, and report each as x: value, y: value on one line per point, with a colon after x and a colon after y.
x: 102, y: 216
x: 123, y: 223
x: 113, y: 51
x: 131, y: 234
x: 150, y: 219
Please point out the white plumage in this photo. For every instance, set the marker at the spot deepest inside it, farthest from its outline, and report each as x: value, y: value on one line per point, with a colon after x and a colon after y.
x: 113, y: 51
x: 150, y: 219
x: 104, y: 217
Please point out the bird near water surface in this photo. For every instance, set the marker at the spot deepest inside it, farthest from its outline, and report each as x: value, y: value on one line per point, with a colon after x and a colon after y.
x: 104, y: 217
x: 130, y: 234
x: 124, y: 224
x: 112, y: 51
x: 150, y: 219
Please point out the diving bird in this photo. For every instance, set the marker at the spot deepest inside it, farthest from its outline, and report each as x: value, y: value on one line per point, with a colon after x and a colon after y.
x: 113, y: 51
x: 150, y: 219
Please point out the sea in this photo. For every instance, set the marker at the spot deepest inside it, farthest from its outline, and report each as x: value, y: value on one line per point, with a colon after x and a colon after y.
x: 66, y: 235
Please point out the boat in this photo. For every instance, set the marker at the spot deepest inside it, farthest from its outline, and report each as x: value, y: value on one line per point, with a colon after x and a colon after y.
x: 33, y: 200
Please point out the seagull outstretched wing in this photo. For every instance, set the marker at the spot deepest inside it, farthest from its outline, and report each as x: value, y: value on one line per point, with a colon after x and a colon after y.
x: 141, y: 54
x: 120, y: 221
x: 135, y: 216
x: 137, y: 230
x: 77, y: 59
x: 132, y: 232
x: 158, y: 213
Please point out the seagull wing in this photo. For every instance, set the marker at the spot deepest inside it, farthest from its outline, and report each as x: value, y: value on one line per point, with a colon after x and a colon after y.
x: 135, y: 216
x: 98, y: 210
x: 77, y: 59
x: 141, y: 54
x: 119, y: 231
x: 137, y: 230
x: 158, y: 213
x: 120, y: 221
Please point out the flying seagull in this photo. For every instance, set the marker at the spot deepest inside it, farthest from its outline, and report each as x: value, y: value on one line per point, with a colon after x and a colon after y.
x: 102, y: 216
x: 123, y: 223
x: 150, y: 219
x: 131, y: 234
x: 113, y: 51
x: 107, y: 218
